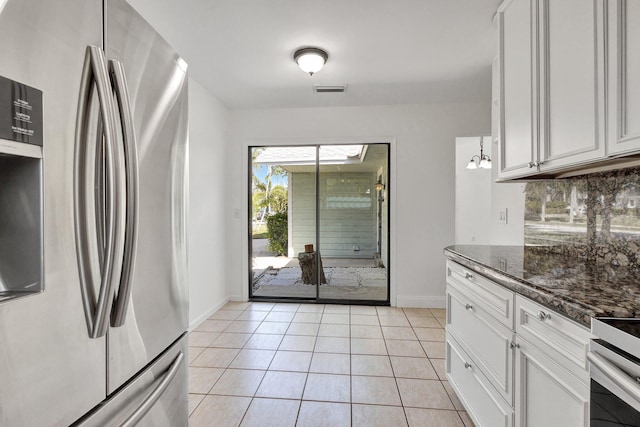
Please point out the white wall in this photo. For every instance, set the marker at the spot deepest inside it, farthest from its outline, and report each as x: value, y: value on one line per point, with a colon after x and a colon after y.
x: 509, y: 195
x: 208, y: 122
x: 421, y: 179
x: 473, y: 194
x: 479, y: 200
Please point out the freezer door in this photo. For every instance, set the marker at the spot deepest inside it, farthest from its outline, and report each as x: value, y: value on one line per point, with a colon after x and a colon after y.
x: 51, y: 372
x: 157, y: 312
x: 157, y: 397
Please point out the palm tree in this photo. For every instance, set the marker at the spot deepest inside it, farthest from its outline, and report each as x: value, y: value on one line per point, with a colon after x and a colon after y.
x: 278, y: 199
x: 263, y: 189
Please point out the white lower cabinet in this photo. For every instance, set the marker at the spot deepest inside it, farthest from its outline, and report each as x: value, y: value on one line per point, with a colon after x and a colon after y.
x: 480, y: 399
x: 485, y: 339
x: 547, y: 395
x: 563, y: 340
x: 530, y: 371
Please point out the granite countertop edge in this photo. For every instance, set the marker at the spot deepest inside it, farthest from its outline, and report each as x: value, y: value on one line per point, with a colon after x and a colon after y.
x: 560, y: 303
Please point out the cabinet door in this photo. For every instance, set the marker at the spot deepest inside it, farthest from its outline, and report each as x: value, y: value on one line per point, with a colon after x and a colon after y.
x: 624, y: 76
x: 516, y: 22
x: 546, y: 394
x: 572, y: 80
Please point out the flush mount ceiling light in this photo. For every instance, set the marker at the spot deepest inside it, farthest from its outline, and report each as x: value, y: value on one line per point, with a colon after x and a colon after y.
x: 483, y: 161
x: 310, y: 59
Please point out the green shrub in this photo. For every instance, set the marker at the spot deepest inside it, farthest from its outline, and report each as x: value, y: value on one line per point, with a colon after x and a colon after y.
x: 277, y: 232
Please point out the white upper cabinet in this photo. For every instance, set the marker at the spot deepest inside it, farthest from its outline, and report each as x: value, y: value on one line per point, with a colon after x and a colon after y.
x: 552, y: 82
x: 624, y: 76
x: 572, y: 129
x: 516, y: 24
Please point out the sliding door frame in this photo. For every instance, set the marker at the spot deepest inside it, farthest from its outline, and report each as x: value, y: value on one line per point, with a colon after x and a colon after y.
x: 389, y: 185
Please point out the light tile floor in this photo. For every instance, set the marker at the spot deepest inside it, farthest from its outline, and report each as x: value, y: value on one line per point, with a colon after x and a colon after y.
x: 265, y: 364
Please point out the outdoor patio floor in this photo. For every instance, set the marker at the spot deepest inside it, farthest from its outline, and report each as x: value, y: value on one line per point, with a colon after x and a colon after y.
x: 326, y: 292
x: 346, y: 279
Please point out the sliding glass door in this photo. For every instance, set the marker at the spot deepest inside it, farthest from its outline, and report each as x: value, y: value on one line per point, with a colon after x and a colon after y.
x: 348, y: 208
x: 319, y: 223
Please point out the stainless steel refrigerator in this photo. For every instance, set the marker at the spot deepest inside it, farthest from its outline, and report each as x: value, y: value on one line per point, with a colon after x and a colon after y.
x: 93, y: 195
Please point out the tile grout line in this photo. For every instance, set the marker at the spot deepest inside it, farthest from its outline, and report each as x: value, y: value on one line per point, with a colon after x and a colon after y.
x: 308, y: 368
x: 267, y: 370
x: 261, y: 380
x: 404, y: 409
x: 395, y: 379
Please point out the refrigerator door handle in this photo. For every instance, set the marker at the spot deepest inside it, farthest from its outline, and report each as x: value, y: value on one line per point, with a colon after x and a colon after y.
x: 132, y: 187
x: 157, y: 392
x: 96, y: 309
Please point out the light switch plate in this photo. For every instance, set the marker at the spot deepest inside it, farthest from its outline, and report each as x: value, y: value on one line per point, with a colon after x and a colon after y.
x: 502, y: 215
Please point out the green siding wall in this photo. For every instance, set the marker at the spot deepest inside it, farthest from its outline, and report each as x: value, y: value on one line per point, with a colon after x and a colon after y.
x: 347, y: 213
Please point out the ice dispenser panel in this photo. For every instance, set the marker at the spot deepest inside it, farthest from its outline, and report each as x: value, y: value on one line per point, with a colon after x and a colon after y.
x: 21, y: 209
x: 20, y: 226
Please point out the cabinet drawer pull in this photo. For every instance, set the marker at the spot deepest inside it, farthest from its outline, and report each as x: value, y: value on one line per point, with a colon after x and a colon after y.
x: 468, y: 306
x: 543, y: 316
x: 468, y: 276
x: 467, y: 365
x: 531, y: 164
x: 514, y: 345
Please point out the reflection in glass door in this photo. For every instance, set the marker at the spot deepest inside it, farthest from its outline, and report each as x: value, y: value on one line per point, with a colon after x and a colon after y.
x: 319, y: 223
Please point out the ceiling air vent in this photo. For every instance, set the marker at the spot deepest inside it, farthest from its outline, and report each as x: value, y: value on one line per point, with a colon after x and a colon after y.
x: 329, y: 89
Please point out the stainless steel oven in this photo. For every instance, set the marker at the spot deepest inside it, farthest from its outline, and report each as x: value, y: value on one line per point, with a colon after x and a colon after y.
x: 615, y: 372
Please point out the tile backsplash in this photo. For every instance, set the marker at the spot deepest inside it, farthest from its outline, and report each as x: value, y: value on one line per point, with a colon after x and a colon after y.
x: 595, y: 216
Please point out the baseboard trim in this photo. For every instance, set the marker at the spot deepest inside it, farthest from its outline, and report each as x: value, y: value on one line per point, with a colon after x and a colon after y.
x: 194, y: 324
x: 401, y: 301
x: 237, y: 298
x: 421, y: 302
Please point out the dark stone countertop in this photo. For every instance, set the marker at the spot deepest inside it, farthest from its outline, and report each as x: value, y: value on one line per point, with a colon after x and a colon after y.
x: 576, y: 288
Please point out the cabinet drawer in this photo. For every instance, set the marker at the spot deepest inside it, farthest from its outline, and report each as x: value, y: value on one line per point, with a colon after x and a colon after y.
x: 476, y: 394
x: 563, y: 340
x: 497, y: 300
x: 485, y: 339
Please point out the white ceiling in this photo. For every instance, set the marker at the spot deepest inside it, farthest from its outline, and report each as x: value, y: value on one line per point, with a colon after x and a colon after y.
x: 386, y: 51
